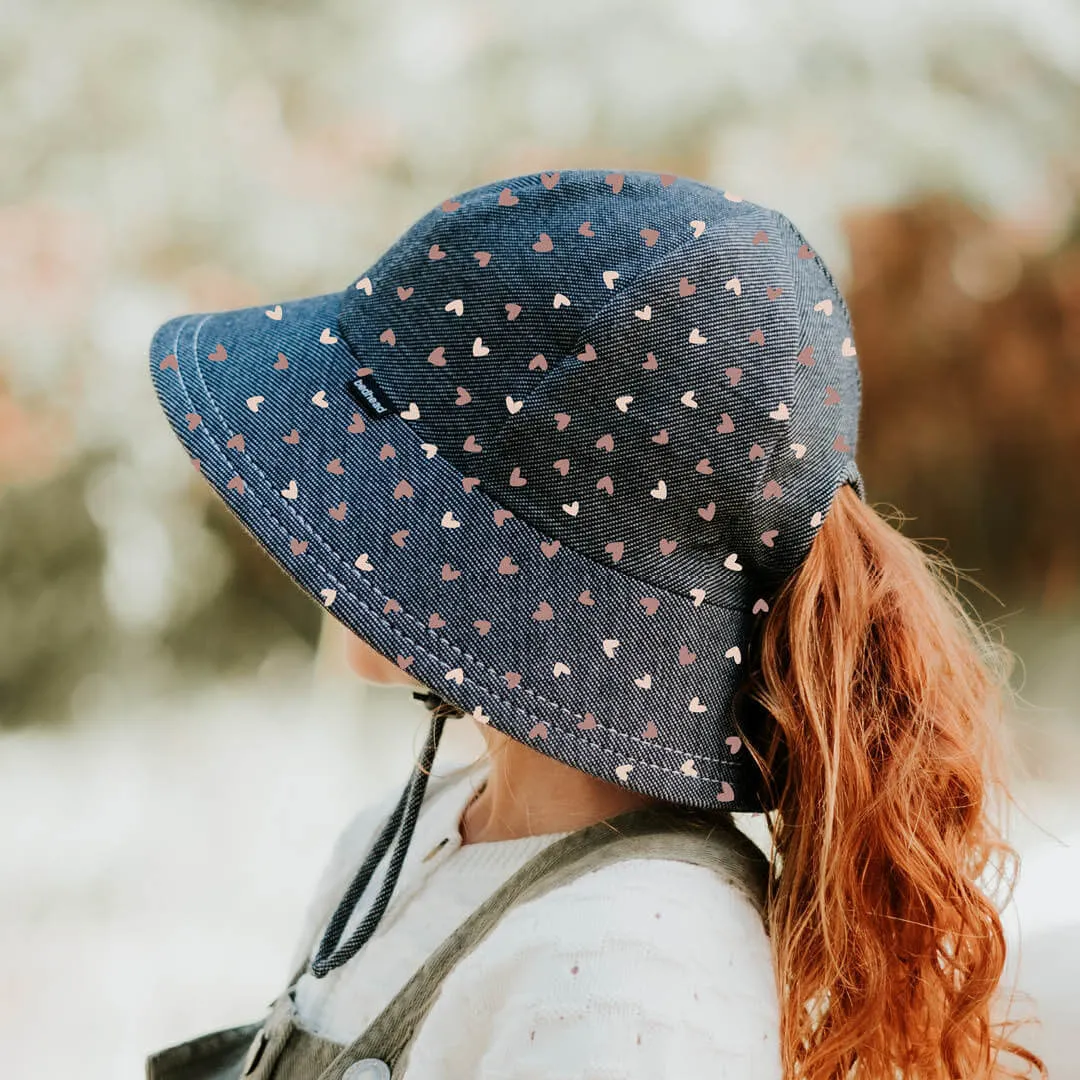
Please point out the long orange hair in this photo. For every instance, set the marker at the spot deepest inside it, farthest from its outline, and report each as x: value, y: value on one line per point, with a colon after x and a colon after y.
x: 879, y: 714
x: 875, y: 709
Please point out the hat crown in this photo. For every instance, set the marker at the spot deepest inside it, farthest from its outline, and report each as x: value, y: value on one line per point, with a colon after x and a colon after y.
x: 648, y: 369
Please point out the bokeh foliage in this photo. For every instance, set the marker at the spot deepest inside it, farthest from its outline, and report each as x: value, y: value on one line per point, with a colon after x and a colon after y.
x: 188, y: 156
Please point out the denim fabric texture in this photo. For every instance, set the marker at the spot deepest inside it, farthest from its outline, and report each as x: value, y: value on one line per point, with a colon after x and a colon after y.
x: 553, y: 453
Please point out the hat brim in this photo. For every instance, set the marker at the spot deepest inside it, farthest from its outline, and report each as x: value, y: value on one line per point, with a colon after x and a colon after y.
x: 384, y: 532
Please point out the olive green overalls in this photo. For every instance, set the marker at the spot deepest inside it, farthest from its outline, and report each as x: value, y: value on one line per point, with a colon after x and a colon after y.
x: 278, y: 1049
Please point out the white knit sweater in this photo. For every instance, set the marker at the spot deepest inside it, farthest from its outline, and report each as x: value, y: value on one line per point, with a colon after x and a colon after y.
x: 640, y: 970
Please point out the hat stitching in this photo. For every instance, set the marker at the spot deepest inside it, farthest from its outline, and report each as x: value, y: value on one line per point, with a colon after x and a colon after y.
x: 487, y: 690
x: 618, y: 296
x: 473, y: 661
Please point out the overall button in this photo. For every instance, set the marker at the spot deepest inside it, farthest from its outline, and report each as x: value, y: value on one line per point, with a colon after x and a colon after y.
x: 368, y: 1069
x: 258, y: 1044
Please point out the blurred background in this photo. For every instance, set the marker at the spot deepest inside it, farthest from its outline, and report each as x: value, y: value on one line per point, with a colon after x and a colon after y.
x: 179, y: 741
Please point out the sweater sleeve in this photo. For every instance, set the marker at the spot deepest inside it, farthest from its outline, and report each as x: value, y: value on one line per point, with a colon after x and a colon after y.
x: 642, y: 970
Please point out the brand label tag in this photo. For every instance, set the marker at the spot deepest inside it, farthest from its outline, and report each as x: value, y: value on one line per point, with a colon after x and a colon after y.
x: 366, y: 393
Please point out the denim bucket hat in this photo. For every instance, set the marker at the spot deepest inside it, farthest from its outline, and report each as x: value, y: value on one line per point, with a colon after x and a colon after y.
x: 552, y: 453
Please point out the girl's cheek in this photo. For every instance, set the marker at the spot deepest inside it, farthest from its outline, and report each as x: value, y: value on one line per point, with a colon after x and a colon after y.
x: 371, y: 665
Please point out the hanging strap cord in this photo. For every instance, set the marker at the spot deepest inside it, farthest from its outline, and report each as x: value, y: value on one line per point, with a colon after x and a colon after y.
x: 404, y: 816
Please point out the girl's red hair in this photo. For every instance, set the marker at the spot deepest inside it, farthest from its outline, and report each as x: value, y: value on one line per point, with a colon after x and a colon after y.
x: 879, y: 715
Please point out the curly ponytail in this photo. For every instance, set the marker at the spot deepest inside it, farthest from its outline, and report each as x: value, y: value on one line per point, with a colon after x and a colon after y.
x: 883, y: 736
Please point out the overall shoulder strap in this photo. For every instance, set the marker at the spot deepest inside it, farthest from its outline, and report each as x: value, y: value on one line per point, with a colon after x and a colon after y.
x: 652, y: 833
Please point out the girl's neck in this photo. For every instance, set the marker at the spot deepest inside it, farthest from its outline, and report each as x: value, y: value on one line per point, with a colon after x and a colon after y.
x: 528, y: 793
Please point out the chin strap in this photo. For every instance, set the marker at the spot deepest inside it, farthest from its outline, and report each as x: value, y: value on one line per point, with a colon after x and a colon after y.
x: 404, y: 817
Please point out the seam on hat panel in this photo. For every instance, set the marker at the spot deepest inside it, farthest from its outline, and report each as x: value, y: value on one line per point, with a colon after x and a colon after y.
x: 526, y: 519
x: 426, y: 224
x: 820, y: 262
x: 799, y: 235
x: 582, y: 338
x: 767, y: 460
x: 472, y: 660
x: 532, y: 181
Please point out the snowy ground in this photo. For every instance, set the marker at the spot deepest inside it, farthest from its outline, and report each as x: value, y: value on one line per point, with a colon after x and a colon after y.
x: 154, y: 867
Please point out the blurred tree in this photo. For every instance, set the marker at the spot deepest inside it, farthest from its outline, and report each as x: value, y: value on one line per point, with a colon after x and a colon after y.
x: 970, y: 353
x: 216, y: 165
x: 259, y: 607
x: 55, y: 626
